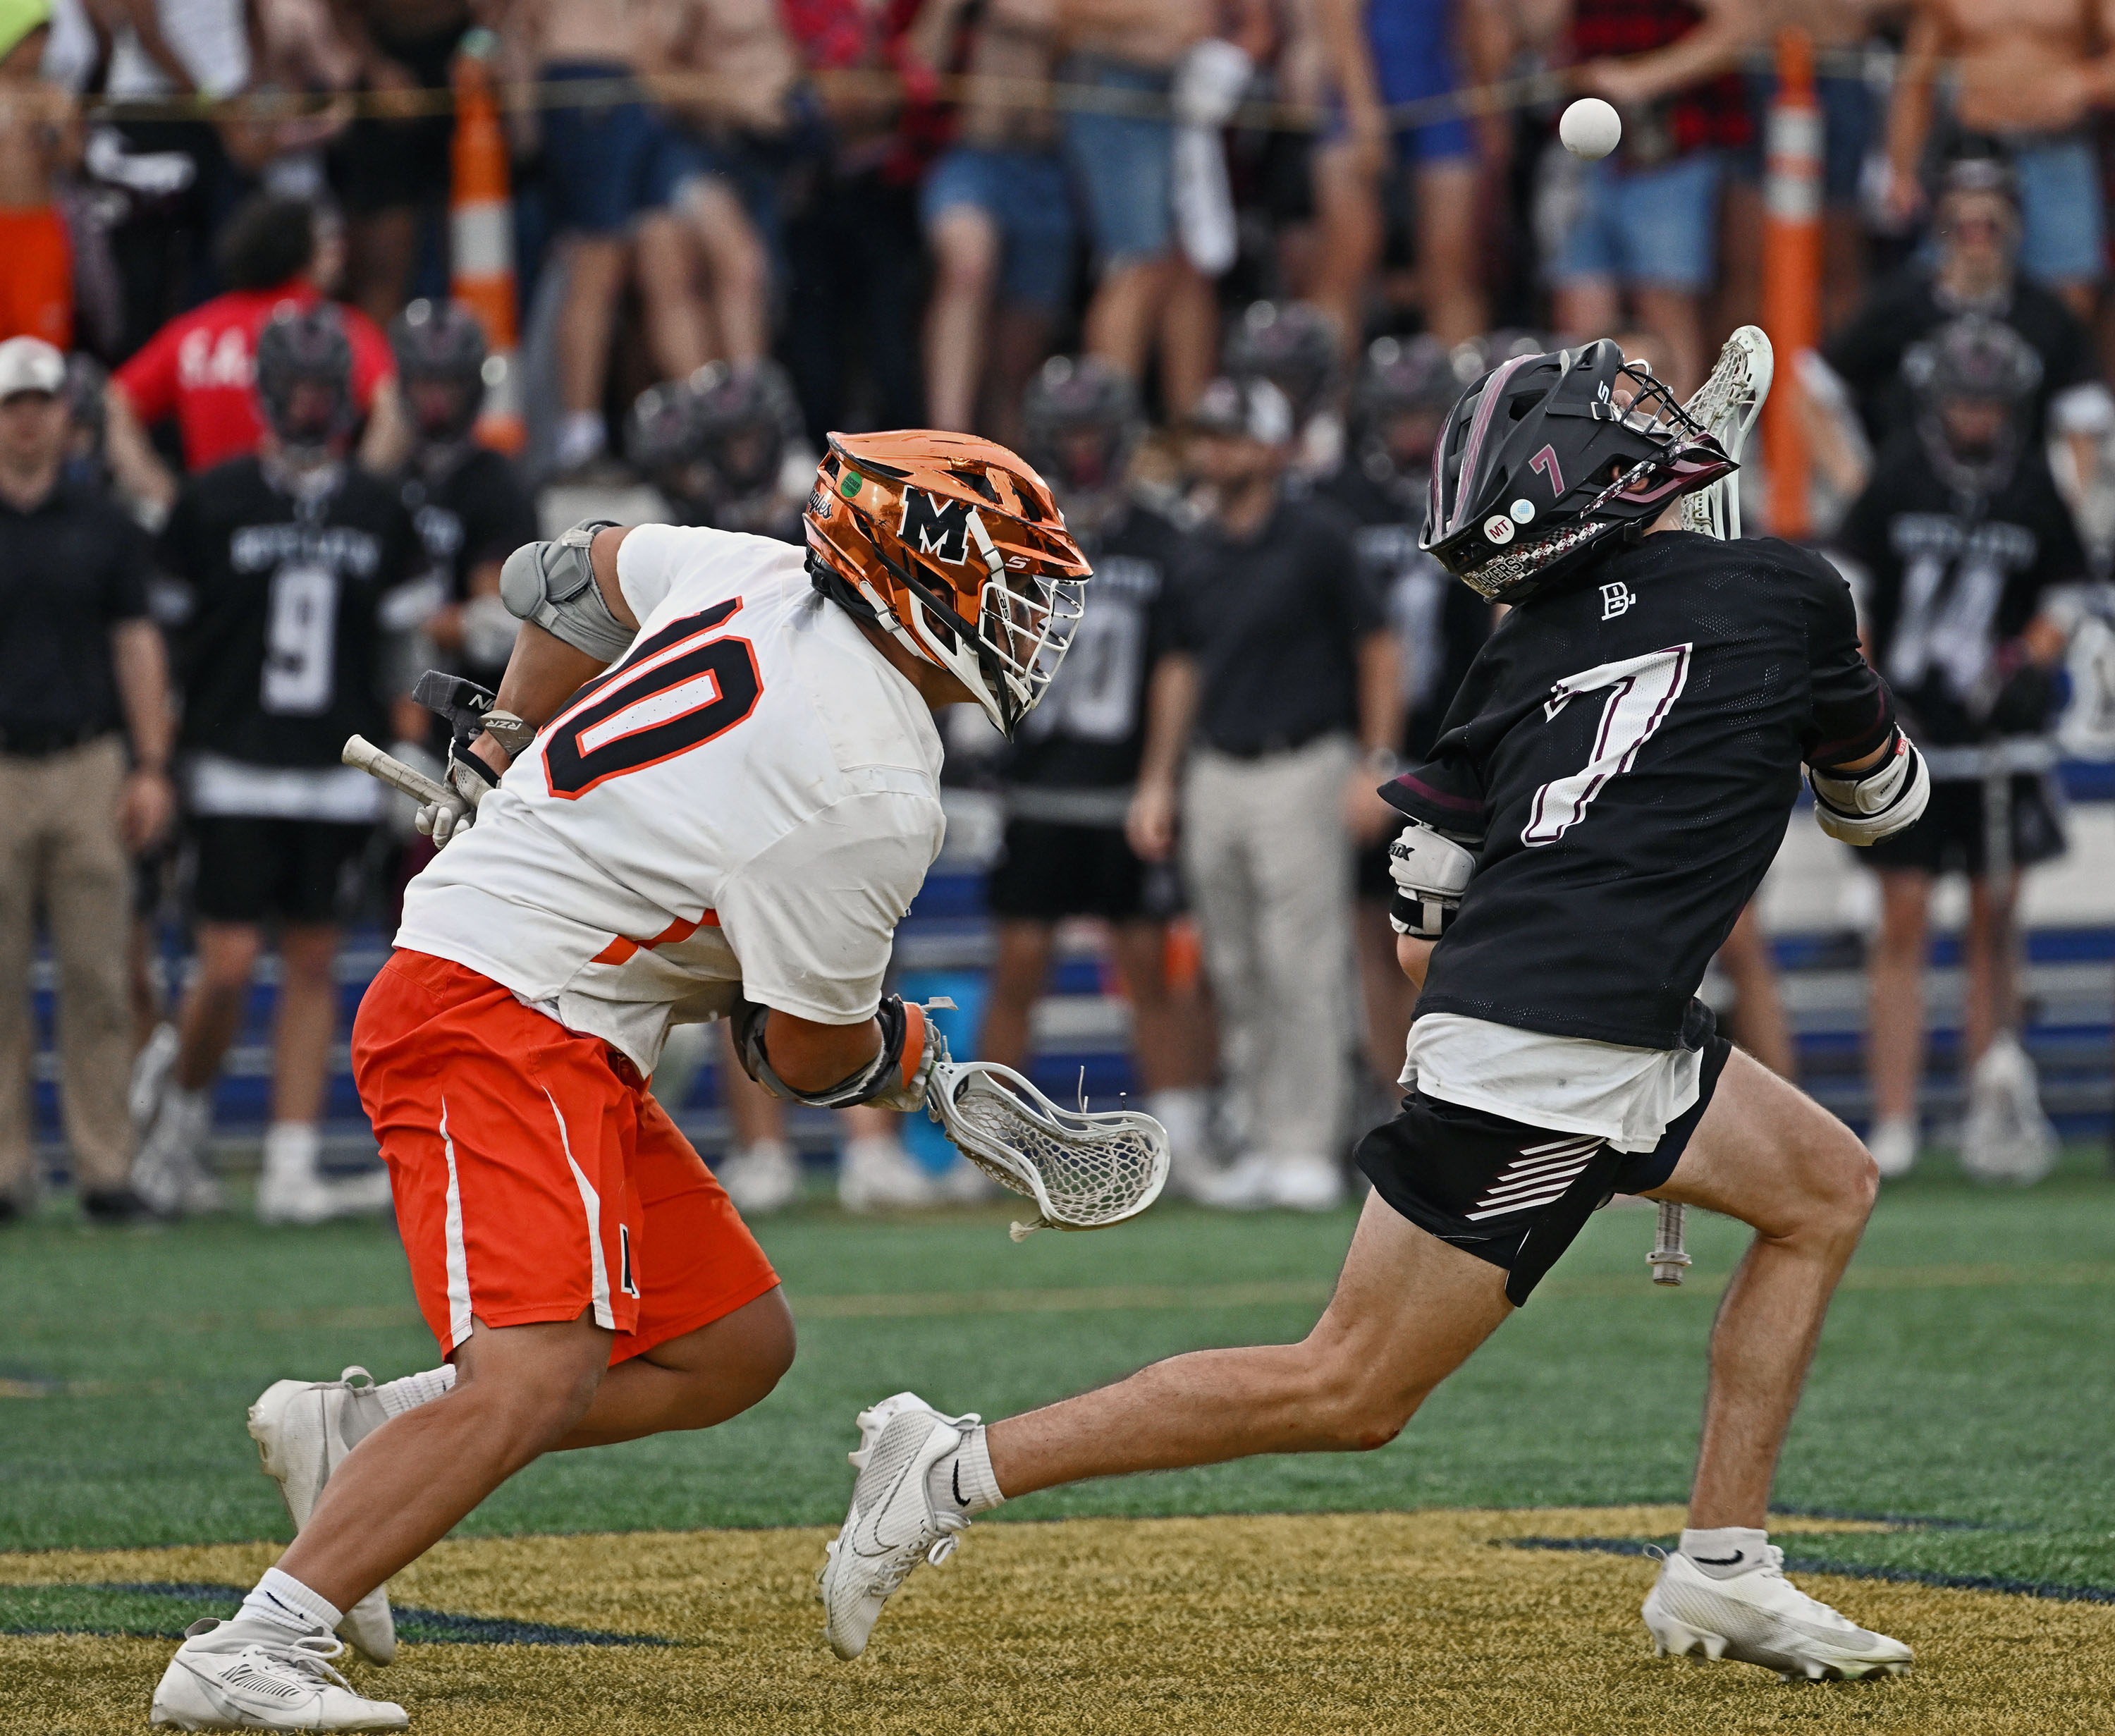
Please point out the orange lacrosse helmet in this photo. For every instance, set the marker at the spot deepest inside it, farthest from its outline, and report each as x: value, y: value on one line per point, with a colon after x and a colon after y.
x: 953, y: 547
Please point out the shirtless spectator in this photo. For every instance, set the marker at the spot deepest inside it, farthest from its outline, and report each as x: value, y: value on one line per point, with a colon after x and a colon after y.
x: 1648, y: 222
x: 612, y: 165
x: 199, y: 370
x: 38, y: 134
x: 391, y: 167
x: 998, y: 215
x: 2029, y: 73
x: 731, y: 79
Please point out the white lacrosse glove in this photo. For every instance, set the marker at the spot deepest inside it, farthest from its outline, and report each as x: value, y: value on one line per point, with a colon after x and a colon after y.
x: 1874, y: 804
x: 468, y: 778
x: 1431, y: 872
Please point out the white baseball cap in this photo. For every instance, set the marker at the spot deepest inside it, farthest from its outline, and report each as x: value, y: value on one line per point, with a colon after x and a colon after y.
x: 30, y: 365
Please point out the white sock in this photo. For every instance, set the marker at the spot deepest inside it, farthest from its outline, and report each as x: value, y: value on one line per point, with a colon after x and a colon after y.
x: 1725, y: 1551
x: 285, y: 1602
x: 962, y: 1482
x: 292, y: 1148
x: 414, y: 1390
x: 582, y: 436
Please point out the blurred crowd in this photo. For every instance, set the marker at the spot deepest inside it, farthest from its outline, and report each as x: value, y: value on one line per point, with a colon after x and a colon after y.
x: 1217, y: 266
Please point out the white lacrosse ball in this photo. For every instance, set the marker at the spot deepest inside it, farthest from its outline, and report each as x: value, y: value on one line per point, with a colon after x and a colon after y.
x: 1590, y: 128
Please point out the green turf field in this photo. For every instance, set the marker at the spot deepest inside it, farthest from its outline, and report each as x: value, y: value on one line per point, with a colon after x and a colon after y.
x: 1966, y: 1377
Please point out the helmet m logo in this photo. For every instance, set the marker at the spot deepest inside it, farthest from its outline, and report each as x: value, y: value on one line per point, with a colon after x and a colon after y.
x: 939, y: 528
x: 1544, y: 464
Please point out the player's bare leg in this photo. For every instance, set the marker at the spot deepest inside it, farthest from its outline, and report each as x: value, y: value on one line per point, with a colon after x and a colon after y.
x: 169, y: 1173
x: 1895, y: 1017
x: 522, y: 1392
x: 1020, y: 967
x: 1992, y: 1001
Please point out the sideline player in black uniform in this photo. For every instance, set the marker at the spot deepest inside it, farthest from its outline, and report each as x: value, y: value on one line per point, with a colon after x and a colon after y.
x: 1962, y: 535
x: 291, y: 558
x: 1398, y: 407
x: 1614, y: 780
x: 467, y: 499
x: 1069, y: 771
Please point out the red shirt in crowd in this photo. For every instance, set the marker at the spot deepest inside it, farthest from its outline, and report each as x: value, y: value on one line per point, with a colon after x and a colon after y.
x: 200, y: 369
x: 1700, y: 116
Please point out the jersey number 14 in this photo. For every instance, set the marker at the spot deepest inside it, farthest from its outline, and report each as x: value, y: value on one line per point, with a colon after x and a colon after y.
x: 1643, y: 692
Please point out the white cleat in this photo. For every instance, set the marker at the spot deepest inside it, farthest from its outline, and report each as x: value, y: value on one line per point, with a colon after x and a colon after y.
x: 1244, y: 1185
x: 303, y: 1429
x: 1760, y: 1616
x: 251, y: 1676
x: 1893, y: 1145
x: 293, y: 1188
x: 760, y: 1178
x: 893, y: 1525
x: 169, y: 1173
x: 877, y: 1174
x: 1306, y: 1184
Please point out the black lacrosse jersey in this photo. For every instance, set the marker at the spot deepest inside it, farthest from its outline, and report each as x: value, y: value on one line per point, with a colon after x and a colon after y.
x: 279, y: 658
x: 470, y: 517
x: 1952, y: 581
x: 1440, y: 624
x: 1089, y: 730
x: 1624, y: 753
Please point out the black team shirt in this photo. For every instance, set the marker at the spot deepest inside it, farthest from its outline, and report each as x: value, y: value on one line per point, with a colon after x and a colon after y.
x: 279, y: 660
x: 71, y: 567
x: 472, y: 513
x: 1089, y: 730
x: 1623, y: 755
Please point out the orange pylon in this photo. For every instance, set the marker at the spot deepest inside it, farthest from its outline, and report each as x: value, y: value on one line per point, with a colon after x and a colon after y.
x: 1791, y: 274
x: 481, y: 246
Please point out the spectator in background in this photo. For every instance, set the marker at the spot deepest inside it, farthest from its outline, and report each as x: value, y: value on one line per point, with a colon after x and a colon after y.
x: 1958, y: 538
x: 998, y: 215
x: 1647, y: 222
x: 1071, y: 768
x: 468, y: 502
x: 1977, y: 225
x: 1383, y: 53
x: 394, y: 168
x: 2030, y: 75
x: 291, y: 558
x: 612, y: 167
x: 1285, y: 669
x: 81, y: 665
x: 199, y: 370
x: 39, y: 134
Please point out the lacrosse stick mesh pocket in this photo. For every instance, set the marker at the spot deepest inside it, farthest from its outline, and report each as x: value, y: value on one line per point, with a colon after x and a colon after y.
x: 1083, y: 1169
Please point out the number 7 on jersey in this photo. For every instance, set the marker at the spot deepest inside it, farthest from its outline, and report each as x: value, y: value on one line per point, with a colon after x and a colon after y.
x: 1646, y: 689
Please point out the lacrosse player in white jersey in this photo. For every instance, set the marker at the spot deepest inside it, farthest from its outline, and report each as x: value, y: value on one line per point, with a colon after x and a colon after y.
x: 707, y: 787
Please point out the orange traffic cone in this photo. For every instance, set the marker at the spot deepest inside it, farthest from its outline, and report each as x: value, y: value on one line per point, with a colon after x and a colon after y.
x: 481, y: 243
x: 1791, y: 274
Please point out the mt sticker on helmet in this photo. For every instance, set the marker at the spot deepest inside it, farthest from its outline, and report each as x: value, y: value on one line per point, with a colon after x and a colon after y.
x: 1498, y: 529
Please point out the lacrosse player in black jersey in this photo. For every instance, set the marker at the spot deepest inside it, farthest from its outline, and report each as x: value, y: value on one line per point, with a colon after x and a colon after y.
x: 1961, y: 536
x: 293, y: 562
x: 1613, y: 780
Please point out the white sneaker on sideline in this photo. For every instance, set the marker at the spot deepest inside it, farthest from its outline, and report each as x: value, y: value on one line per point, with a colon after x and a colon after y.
x: 169, y: 1173
x: 293, y: 1188
x: 250, y: 1675
x: 303, y: 1429
x: 893, y: 1525
x: 1760, y: 1616
x: 760, y: 1178
x: 1244, y: 1185
x: 877, y: 1174
x: 1893, y: 1144
x: 1306, y: 1184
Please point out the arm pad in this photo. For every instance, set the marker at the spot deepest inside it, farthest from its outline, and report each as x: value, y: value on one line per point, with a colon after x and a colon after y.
x: 1431, y: 872
x: 895, y: 1079
x: 552, y: 583
x: 1874, y: 804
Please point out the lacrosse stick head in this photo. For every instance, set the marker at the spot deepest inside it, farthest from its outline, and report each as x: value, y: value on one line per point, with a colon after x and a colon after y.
x: 1726, y: 406
x: 1086, y: 1169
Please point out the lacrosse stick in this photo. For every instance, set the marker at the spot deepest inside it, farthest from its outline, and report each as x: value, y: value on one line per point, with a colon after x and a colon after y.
x: 1085, y: 1170
x: 405, y: 779
x: 1726, y: 406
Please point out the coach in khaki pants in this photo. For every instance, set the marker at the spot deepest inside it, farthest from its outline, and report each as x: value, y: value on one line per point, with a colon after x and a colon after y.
x: 79, y: 660
x: 1287, y: 678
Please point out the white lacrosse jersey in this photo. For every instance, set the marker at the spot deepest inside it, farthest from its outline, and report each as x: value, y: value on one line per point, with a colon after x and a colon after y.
x: 749, y: 799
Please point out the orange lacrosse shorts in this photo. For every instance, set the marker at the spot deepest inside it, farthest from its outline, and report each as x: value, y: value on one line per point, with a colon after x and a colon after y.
x: 535, y: 1177
x: 36, y: 288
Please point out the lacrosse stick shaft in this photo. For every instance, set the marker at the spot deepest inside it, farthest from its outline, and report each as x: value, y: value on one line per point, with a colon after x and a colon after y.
x: 407, y: 780
x: 1667, y: 1257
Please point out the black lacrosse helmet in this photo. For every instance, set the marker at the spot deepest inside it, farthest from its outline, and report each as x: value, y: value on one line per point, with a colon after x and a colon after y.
x: 1080, y: 424
x: 1549, y: 456
x: 715, y: 443
x: 1292, y: 344
x: 304, y: 380
x: 1978, y: 359
x: 440, y: 350
x: 1406, y: 387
